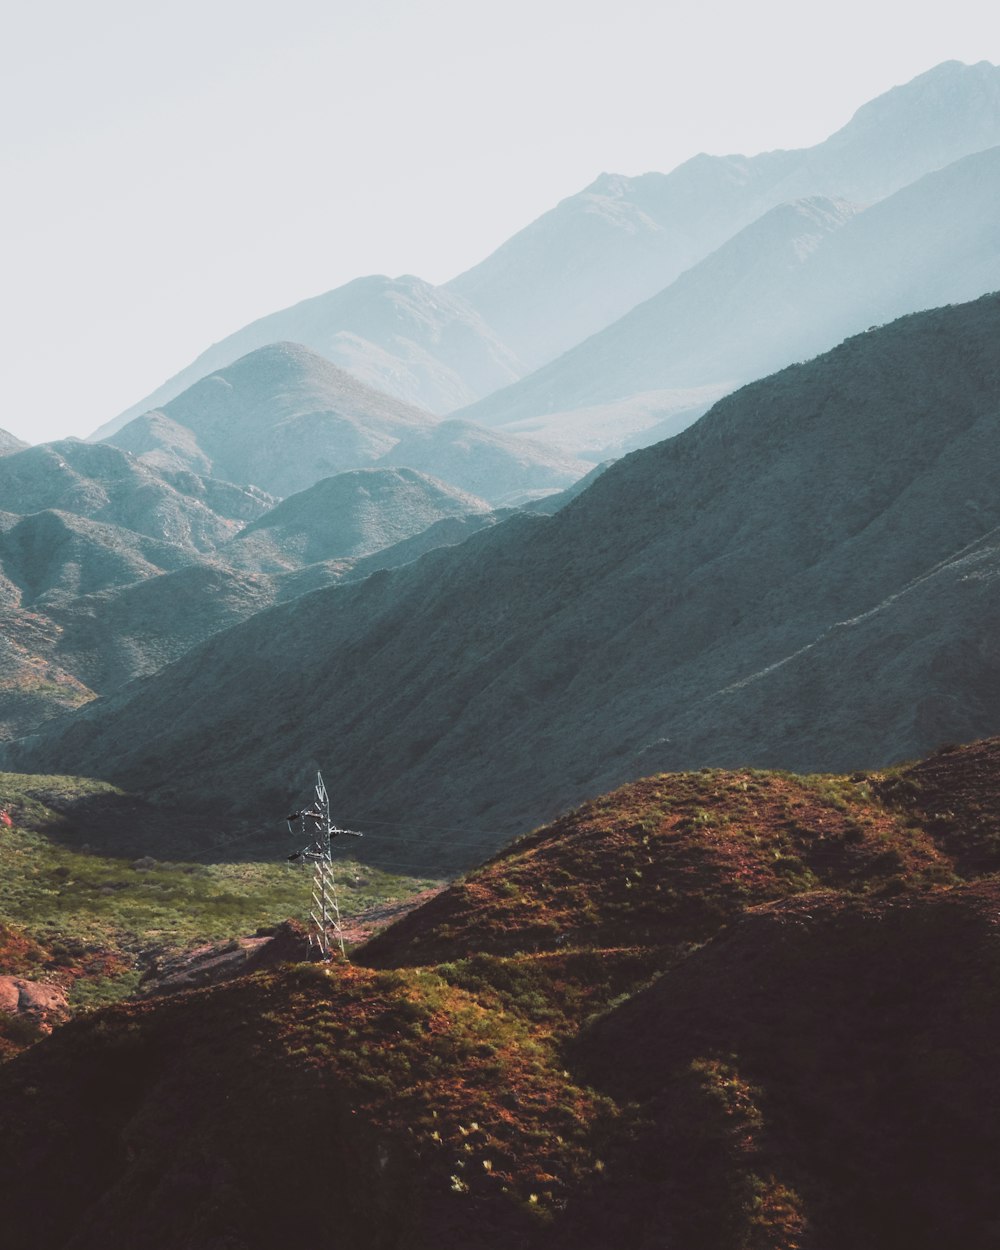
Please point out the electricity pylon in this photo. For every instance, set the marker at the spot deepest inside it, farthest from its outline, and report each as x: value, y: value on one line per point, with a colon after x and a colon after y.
x: 316, y: 821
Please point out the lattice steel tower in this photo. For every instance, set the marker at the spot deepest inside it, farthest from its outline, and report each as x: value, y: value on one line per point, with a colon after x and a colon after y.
x: 326, y: 927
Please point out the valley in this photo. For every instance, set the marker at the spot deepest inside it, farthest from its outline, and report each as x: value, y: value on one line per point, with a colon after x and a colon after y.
x: 636, y: 593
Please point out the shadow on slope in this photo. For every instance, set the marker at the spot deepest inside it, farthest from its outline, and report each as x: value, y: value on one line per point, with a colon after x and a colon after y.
x: 810, y: 1069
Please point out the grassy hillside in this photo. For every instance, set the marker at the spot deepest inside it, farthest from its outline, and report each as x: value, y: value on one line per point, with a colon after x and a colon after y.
x: 726, y: 1010
x: 93, y: 922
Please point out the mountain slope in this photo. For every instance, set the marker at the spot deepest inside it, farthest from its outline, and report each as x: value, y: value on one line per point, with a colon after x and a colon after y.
x: 419, y: 344
x: 487, y: 686
x: 50, y: 557
x: 348, y: 516
x: 109, y: 638
x: 48, y: 562
x: 283, y: 417
x: 792, y: 284
x: 503, y: 468
x: 695, y: 1012
x: 704, y: 330
x: 606, y: 431
x: 108, y: 485
x: 98, y: 529
x: 597, y: 254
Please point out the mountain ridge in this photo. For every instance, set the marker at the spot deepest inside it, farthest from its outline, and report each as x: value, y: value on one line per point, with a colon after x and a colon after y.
x: 637, y: 235
x: 283, y: 417
x: 418, y: 343
x: 693, y: 1012
x: 348, y: 516
x: 570, y: 652
x: 744, y: 311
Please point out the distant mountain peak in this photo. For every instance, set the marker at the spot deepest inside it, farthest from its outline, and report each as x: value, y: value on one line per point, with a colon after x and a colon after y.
x: 283, y: 416
x: 348, y: 516
x: 420, y: 344
x: 620, y: 240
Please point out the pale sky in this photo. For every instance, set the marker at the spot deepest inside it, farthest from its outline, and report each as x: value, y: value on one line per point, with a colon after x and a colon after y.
x: 172, y: 171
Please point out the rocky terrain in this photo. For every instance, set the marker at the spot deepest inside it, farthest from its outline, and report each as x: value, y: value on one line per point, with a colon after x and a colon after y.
x: 723, y: 1008
x: 676, y: 613
x: 348, y: 516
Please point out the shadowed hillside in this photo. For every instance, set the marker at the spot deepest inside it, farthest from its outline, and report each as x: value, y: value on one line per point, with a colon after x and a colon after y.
x: 718, y: 1009
x: 71, y: 591
x: 348, y: 516
x: 677, y: 612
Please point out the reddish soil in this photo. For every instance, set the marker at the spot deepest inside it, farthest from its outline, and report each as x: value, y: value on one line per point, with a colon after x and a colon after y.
x: 713, y: 1011
x: 956, y: 795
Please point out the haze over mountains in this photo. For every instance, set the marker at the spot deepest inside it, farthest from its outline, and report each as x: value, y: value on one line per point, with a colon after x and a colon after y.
x: 419, y: 344
x: 689, y: 1012
x: 692, y: 334
x: 602, y: 252
x: 113, y: 572
x: 518, y: 632
x: 545, y: 659
x: 283, y: 417
x: 793, y: 283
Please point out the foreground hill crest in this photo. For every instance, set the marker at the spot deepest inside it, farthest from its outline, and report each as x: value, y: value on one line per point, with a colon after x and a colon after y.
x: 693, y: 1012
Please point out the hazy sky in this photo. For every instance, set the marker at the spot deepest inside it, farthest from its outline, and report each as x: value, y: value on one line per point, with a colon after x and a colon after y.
x: 172, y: 171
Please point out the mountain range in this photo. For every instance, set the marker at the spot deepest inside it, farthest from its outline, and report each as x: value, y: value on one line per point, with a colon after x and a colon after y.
x: 607, y: 249
x: 794, y: 283
x: 283, y: 417
x: 347, y: 516
x: 417, y: 343
x: 599, y: 253
x: 676, y: 613
x: 733, y: 982
x: 114, y: 487
x: 142, y: 570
